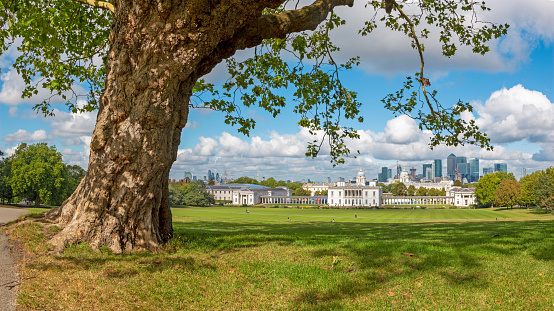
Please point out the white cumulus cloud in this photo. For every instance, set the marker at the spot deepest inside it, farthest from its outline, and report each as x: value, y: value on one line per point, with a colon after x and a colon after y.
x: 401, y: 130
x: 517, y: 114
x: 23, y: 135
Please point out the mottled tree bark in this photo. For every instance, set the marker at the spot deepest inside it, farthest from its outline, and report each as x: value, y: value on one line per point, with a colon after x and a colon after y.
x: 158, y: 50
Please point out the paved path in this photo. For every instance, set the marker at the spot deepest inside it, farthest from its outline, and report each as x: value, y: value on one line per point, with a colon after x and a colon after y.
x: 9, y: 279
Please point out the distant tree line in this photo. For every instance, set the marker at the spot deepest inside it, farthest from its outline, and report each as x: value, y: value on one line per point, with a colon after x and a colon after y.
x: 400, y: 189
x: 295, y: 187
x: 37, y: 173
x: 502, y: 189
x: 190, y: 194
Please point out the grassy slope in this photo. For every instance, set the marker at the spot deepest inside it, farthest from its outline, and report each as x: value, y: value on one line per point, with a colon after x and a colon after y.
x: 223, y: 258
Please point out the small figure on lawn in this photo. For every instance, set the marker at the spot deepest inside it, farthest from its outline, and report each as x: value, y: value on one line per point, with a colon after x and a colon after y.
x: 333, y: 220
x: 355, y: 215
x: 247, y: 211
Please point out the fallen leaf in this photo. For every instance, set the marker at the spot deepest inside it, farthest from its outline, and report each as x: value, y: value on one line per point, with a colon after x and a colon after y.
x: 540, y: 274
x: 231, y: 271
x: 548, y: 284
x: 391, y: 294
x: 407, y: 254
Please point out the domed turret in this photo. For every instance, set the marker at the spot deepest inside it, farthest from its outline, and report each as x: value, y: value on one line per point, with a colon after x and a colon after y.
x: 360, y: 179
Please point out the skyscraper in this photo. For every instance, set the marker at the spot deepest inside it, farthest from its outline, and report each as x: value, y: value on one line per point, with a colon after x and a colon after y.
x: 451, y: 166
x: 188, y: 175
x: 413, y: 174
x: 473, y: 169
x: 438, y: 168
x: 463, y: 171
x: 500, y: 167
x: 428, y: 171
x: 460, y: 160
x: 487, y: 170
x: 384, y: 175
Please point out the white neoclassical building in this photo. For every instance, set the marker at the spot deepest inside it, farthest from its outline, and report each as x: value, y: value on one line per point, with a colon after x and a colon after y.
x: 247, y: 194
x: 457, y: 196
x: 462, y: 197
x: 315, y: 187
x: 361, y: 194
x: 253, y: 196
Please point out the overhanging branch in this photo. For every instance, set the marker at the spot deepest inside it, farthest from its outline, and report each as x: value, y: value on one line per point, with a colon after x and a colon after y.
x: 279, y: 25
x: 98, y: 4
x: 272, y: 26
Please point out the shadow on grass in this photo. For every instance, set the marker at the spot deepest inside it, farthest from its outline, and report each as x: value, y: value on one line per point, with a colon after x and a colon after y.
x: 380, y: 253
x: 81, y: 257
x: 369, y: 255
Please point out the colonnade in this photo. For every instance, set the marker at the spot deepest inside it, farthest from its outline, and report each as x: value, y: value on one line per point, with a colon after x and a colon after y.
x: 423, y: 200
x: 292, y: 200
x: 353, y: 193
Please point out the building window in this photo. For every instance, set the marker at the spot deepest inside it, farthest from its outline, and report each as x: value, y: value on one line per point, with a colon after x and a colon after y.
x: 331, y: 193
x: 365, y: 202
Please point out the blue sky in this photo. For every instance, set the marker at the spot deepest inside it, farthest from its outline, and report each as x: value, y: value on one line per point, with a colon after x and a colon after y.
x: 512, y: 89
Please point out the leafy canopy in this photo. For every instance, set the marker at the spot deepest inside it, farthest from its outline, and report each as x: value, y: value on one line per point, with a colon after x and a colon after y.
x: 37, y: 172
x: 485, y: 191
x: 63, y: 46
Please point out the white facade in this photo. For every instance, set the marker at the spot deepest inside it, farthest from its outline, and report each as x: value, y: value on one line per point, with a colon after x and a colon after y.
x: 354, y: 196
x: 315, y: 187
x: 463, y: 197
x: 239, y: 194
x: 252, y: 196
x: 358, y: 195
x: 222, y: 193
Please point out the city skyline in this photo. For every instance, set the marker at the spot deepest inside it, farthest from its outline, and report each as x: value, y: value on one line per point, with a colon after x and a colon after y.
x: 511, y: 89
x: 399, y: 168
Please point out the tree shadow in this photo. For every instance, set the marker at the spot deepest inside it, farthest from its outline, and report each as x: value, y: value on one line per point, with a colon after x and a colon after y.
x: 380, y: 252
x: 120, y: 265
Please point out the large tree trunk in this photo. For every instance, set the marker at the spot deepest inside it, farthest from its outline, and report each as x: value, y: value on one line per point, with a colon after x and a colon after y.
x: 158, y: 49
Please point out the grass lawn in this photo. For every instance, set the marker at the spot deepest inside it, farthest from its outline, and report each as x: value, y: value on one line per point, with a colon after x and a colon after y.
x: 224, y: 259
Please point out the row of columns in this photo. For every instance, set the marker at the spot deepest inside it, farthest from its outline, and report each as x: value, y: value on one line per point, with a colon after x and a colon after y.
x: 293, y: 200
x: 348, y: 193
x: 417, y: 200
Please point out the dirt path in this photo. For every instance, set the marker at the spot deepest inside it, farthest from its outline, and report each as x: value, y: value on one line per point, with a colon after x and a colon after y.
x: 9, y: 279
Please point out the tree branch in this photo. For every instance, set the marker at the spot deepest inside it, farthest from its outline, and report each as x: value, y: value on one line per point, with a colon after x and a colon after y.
x: 279, y: 25
x: 422, y: 79
x: 98, y: 4
x: 273, y: 26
